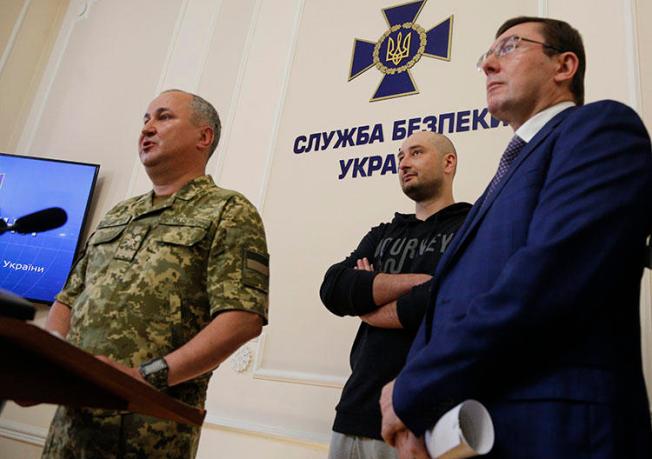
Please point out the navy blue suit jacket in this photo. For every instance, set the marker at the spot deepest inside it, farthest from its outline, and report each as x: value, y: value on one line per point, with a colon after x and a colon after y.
x: 535, y: 308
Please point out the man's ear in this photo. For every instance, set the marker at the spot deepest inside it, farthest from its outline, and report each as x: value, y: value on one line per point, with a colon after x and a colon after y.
x: 568, y: 63
x: 450, y: 163
x: 206, y: 136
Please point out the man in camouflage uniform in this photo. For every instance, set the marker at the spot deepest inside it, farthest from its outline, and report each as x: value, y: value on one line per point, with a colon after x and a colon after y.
x: 169, y: 285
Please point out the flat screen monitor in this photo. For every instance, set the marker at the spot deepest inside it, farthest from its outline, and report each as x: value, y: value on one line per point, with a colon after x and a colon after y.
x: 35, y: 266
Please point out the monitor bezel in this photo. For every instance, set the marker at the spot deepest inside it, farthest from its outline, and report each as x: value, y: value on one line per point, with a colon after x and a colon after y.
x: 89, y: 200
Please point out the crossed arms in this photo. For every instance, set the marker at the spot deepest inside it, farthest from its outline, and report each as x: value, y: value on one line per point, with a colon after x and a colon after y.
x: 353, y: 288
x: 386, y: 290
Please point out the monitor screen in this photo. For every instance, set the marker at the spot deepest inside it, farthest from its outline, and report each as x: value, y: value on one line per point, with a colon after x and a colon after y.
x: 36, y: 265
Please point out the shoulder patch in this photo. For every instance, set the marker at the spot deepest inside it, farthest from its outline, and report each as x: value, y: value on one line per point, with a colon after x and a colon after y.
x: 255, y: 270
x: 256, y: 262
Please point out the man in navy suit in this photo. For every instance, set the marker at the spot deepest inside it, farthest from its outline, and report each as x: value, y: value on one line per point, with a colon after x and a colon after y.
x: 535, y: 306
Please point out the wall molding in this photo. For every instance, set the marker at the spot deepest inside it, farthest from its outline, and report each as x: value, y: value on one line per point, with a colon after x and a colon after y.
x: 183, y: 9
x: 290, y: 376
x: 298, y: 377
x: 36, y: 436
x: 84, y: 7
x: 189, y: 46
x: 227, y: 123
x: 280, y: 106
x: 267, y: 431
x: 23, y: 433
x: 14, y: 34
x: 543, y: 9
x: 632, y: 55
x: 72, y: 17
x: 205, y: 52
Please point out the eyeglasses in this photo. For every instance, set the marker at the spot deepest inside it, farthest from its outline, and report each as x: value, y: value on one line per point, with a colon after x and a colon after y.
x: 508, y: 45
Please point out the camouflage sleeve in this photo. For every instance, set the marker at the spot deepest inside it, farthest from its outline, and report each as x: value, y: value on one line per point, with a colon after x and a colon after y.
x: 238, y: 263
x: 76, y: 280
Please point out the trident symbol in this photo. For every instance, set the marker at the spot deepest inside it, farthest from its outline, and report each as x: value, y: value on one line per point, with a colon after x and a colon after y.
x: 398, y: 51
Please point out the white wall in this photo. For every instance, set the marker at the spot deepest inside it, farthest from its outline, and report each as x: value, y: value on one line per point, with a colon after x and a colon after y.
x: 28, y: 30
x: 277, y: 69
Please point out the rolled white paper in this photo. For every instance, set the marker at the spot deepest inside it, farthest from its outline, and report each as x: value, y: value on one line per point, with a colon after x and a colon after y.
x: 464, y: 431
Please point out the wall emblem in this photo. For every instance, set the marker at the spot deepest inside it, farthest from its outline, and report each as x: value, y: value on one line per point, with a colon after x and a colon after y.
x: 400, y: 48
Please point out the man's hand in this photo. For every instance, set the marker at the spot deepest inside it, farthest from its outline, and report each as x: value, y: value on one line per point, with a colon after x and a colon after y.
x: 363, y: 265
x: 58, y: 320
x: 410, y: 447
x: 133, y: 372
x: 391, y: 425
x: 395, y: 433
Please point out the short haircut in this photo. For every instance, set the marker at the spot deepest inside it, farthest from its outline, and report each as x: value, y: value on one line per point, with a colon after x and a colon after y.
x: 442, y: 143
x: 203, y: 112
x: 445, y: 147
x: 563, y: 37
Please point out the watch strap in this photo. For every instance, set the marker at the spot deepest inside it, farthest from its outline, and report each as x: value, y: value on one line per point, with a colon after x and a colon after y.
x: 155, y: 372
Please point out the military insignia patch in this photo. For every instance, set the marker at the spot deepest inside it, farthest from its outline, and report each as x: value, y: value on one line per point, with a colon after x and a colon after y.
x: 256, y: 262
x: 399, y: 49
x: 255, y: 270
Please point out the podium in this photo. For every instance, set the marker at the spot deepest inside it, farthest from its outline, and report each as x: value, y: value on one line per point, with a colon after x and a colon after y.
x: 36, y: 366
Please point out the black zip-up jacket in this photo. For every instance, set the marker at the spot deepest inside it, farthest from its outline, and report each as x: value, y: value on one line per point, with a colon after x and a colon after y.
x: 405, y: 245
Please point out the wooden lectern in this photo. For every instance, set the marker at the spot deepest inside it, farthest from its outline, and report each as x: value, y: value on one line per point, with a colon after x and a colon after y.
x: 36, y: 366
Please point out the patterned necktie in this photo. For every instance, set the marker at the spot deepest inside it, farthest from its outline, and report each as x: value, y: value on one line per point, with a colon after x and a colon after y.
x: 511, y: 152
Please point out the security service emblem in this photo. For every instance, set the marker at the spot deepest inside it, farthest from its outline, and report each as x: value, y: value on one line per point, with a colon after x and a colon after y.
x: 400, y: 48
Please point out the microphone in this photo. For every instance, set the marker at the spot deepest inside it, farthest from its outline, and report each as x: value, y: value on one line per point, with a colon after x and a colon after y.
x: 37, y: 222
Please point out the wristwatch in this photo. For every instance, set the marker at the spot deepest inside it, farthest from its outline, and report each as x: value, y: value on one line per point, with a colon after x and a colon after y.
x: 155, y: 372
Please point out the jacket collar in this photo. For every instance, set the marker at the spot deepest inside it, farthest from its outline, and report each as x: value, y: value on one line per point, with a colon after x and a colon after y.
x: 479, y: 209
x: 196, y: 187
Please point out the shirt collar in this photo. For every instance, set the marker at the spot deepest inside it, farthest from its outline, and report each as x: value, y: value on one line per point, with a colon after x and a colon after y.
x: 191, y: 189
x: 532, y: 126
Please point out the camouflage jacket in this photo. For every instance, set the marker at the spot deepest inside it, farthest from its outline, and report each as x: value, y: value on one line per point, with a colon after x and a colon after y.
x: 152, y: 276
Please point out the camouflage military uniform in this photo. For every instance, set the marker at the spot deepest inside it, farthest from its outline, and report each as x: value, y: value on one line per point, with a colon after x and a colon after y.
x: 151, y: 277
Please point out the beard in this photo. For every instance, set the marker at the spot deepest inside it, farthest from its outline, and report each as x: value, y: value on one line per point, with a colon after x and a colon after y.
x: 422, y: 191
